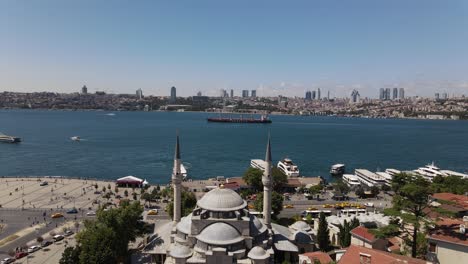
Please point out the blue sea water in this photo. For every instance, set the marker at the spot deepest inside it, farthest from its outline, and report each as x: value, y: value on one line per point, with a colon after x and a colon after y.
x: 142, y: 144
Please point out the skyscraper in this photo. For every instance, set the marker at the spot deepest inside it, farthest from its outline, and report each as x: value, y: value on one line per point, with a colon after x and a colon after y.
x: 308, y: 96
x: 139, y: 93
x: 395, y: 93
x: 355, y: 96
x: 232, y: 93
x: 313, y: 95
x: 253, y: 93
x: 402, y: 93
x: 387, y: 93
x: 84, y: 89
x: 445, y: 96
x: 437, y: 96
x: 245, y: 93
x: 382, y: 94
x: 318, y: 94
x: 172, y: 100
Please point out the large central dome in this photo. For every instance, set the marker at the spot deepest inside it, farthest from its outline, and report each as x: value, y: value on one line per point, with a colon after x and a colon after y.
x: 222, y: 200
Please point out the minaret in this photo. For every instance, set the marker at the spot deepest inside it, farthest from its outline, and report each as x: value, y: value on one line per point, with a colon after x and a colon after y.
x: 176, y: 182
x: 266, y: 180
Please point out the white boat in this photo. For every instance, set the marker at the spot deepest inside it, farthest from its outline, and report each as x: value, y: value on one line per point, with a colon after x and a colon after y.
x: 288, y: 167
x: 183, y: 171
x: 337, y: 169
x: 393, y: 172
x: 351, y: 179
x: 369, y: 178
x: 9, y: 139
x: 430, y: 171
x: 258, y: 164
x: 387, y: 176
x: 75, y: 138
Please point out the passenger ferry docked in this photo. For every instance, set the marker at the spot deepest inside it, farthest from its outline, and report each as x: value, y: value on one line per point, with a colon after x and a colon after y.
x: 258, y: 164
x: 369, y: 178
x: 337, y: 169
x: 351, y: 179
x: 430, y: 171
x: 288, y: 167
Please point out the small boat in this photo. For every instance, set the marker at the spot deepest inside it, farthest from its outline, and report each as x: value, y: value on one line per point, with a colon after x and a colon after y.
x: 288, y: 167
x: 110, y: 114
x: 75, y: 138
x: 337, y: 169
x: 9, y: 139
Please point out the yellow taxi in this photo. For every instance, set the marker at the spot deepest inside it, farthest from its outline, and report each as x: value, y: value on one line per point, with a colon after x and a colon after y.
x: 327, y: 206
x: 311, y: 208
x: 153, y: 212
x: 57, y: 215
x: 288, y: 206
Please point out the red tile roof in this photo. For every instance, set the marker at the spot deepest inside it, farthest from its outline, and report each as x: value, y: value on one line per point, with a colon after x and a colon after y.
x: 353, y: 256
x: 363, y: 233
x: 448, y: 230
x: 461, y: 200
x: 323, y: 257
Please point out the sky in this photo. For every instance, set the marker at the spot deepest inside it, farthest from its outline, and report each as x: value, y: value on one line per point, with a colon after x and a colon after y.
x: 276, y: 47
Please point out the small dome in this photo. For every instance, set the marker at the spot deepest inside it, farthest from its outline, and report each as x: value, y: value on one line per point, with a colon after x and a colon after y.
x: 220, y: 233
x: 258, y: 253
x: 185, y: 224
x: 300, y: 226
x: 180, y: 251
x: 301, y: 237
x: 222, y: 200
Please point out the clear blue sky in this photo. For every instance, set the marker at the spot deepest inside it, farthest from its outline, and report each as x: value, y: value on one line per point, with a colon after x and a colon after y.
x: 276, y: 47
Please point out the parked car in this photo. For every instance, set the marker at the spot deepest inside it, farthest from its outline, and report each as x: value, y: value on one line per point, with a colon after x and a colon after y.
x: 288, y: 206
x: 33, y: 249
x: 58, y: 237
x: 20, y: 255
x: 7, y: 260
x: 369, y: 204
x: 153, y: 212
x: 72, y: 211
x: 57, y: 215
x: 69, y: 233
x: 46, y: 243
x: 91, y: 213
x: 44, y: 183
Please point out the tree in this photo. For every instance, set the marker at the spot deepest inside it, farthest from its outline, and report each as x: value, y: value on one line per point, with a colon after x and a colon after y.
x: 360, y: 192
x: 410, y: 200
x: 39, y: 239
x: 253, y: 178
x: 375, y: 191
x: 451, y: 184
x: 276, y: 203
x: 344, y: 236
x: 126, y: 193
x: 386, y: 188
x: 279, y: 179
x: 341, y: 187
x: 189, y: 201
x: 71, y: 255
x: 323, y: 233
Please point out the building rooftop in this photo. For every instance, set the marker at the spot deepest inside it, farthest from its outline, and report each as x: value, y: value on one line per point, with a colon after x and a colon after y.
x: 461, y: 200
x: 448, y: 230
x: 222, y: 199
x: 322, y: 257
x: 363, y: 233
x: 220, y: 233
x: 357, y: 255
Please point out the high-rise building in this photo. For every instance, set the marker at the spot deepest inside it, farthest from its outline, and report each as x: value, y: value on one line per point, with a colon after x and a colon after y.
x: 139, y: 93
x: 402, y: 93
x: 173, y: 98
x: 199, y: 94
x: 308, y: 96
x: 355, y: 96
x: 253, y: 93
x: 445, y: 96
x: 314, y: 95
x: 436, y: 96
x: 382, y: 94
x: 318, y: 94
x: 245, y: 93
x: 232, y: 93
x: 395, y: 93
x: 84, y: 90
x: 388, y: 93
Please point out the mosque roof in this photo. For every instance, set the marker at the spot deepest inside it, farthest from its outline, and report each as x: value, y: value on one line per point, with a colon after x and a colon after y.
x: 258, y: 253
x: 180, y: 251
x: 221, y: 199
x: 220, y: 233
x: 300, y: 226
x: 185, y: 224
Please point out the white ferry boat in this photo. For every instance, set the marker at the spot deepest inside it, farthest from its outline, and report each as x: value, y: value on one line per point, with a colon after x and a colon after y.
x: 288, y: 167
x: 337, y: 169
x: 258, y: 164
x: 430, y: 171
x: 9, y: 139
x: 369, y: 178
x: 393, y: 172
x: 351, y: 179
x: 387, y: 176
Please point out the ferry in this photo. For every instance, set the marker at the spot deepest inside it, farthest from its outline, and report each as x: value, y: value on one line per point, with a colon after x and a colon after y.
x: 9, y: 139
x: 351, y: 179
x: 430, y: 171
x: 369, y: 178
x: 392, y: 172
x: 258, y: 164
x: 288, y: 167
x: 387, y: 176
x: 75, y: 138
x: 263, y: 120
x: 183, y: 171
x: 337, y: 169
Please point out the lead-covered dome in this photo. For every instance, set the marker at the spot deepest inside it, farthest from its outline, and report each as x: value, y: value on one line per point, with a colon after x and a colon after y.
x: 220, y: 234
x: 300, y: 226
x: 258, y: 253
x: 222, y: 200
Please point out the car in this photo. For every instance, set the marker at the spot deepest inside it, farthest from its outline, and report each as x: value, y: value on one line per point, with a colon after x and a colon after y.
x: 58, y: 237
x: 360, y: 207
x: 311, y: 208
x: 57, y: 215
x: 327, y: 206
x: 153, y: 212
x: 69, y: 233
x: 338, y: 206
x: 118, y: 196
x: 7, y: 260
x: 288, y: 206
x: 72, y: 211
x: 33, y: 249
x: 369, y: 204
x: 44, y: 183
x: 91, y: 213
x: 46, y: 243
x: 19, y: 255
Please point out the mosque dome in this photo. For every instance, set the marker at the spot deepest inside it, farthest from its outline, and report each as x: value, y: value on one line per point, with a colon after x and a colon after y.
x: 301, y: 237
x: 300, y: 226
x: 180, y: 251
x: 258, y: 253
x: 220, y: 233
x: 185, y: 224
x: 222, y: 200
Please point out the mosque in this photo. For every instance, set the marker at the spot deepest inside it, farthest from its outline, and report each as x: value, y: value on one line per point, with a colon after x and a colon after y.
x: 221, y: 230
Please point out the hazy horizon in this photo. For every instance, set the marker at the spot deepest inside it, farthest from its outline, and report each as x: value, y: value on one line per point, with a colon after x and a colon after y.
x: 273, y: 47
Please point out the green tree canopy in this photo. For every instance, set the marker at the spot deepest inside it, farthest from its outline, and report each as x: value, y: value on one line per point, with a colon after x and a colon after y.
x: 323, y: 233
x: 341, y: 187
x: 253, y: 177
x: 279, y: 179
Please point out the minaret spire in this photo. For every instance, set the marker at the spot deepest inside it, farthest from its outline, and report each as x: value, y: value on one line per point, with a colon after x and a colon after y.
x: 177, y: 181
x: 267, y: 186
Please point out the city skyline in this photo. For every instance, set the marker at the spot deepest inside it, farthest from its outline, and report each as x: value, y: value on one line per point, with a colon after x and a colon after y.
x: 59, y: 47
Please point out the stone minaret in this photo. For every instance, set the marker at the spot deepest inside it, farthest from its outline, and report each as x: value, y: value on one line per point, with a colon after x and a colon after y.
x: 177, y: 182
x: 267, y: 186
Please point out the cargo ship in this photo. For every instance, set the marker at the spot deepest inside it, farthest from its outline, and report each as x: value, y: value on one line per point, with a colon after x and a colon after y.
x: 262, y: 120
x: 9, y: 139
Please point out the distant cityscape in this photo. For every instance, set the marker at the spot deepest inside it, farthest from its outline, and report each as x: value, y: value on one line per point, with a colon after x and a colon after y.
x: 391, y: 103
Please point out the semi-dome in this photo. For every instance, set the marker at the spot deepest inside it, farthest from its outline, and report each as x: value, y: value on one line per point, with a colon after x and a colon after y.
x: 300, y: 226
x: 258, y: 253
x: 222, y: 200
x: 220, y: 234
x: 180, y: 251
x: 256, y: 226
x: 301, y: 237
x: 185, y: 224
